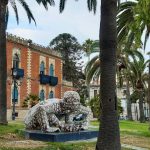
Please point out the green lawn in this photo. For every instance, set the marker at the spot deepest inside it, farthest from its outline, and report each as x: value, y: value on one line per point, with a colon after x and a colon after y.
x: 131, y: 128
x: 134, y: 128
x: 12, y: 127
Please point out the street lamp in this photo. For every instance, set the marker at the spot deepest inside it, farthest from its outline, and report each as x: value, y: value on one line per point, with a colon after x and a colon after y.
x: 17, y: 75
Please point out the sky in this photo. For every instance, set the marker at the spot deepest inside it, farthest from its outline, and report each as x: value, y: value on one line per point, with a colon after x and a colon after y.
x: 76, y: 20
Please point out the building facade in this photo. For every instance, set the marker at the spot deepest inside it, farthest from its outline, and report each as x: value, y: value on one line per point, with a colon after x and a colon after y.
x: 121, y: 94
x: 38, y: 64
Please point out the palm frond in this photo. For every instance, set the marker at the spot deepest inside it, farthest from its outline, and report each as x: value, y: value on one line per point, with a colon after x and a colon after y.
x: 13, y: 5
x: 91, y: 62
x: 91, y: 72
x: 46, y: 2
x: 146, y: 38
x: 92, y: 5
x: 127, y: 4
x: 62, y: 5
x: 7, y: 16
x: 27, y: 10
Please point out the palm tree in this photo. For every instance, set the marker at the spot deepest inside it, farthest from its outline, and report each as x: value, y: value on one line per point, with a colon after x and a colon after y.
x: 90, y: 46
x: 124, y: 71
x: 109, y: 136
x: 3, y: 58
x: 133, y: 16
x: 138, y: 79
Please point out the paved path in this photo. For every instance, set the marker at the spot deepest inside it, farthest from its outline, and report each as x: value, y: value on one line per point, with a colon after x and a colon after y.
x: 133, y: 147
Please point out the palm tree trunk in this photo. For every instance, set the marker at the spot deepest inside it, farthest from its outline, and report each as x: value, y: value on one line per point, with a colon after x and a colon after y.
x: 149, y: 92
x: 3, y: 63
x: 142, y: 116
x: 129, y: 111
x: 88, y: 86
x: 109, y: 135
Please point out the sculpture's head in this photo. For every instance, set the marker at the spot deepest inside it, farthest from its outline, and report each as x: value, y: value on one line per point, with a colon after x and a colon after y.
x: 71, y: 101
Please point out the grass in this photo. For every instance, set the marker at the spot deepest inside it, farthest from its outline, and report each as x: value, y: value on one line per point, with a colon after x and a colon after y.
x: 134, y: 128
x: 126, y: 127
x: 130, y: 128
x: 12, y: 127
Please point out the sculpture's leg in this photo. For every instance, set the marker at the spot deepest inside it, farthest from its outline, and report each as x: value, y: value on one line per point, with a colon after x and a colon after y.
x: 43, y: 121
x: 30, y: 121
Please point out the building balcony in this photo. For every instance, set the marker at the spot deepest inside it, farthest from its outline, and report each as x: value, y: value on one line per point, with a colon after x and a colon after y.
x: 46, y: 79
x: 53, y: 81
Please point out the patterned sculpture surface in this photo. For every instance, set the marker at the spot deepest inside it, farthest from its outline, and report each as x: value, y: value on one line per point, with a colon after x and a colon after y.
x: 47, y: 115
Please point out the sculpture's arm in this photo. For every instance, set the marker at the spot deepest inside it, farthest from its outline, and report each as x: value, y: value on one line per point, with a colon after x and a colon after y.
x: 43, y: 120
x: 69, y: 117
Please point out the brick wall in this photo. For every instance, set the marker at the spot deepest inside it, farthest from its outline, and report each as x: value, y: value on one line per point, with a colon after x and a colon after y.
x: 30, y: 62
x: 30, y: 57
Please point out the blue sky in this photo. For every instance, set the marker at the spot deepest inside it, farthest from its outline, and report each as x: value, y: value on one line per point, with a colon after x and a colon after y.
x: 75, y: 20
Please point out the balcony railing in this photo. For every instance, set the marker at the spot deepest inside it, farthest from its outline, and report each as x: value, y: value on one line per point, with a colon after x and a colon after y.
x: 46, y: 79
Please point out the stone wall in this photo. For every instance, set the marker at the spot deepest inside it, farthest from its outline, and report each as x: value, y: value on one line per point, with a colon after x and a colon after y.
x: 21, y: 114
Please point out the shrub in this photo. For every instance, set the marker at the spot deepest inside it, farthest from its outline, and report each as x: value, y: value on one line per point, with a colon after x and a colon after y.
x: 31, y: 100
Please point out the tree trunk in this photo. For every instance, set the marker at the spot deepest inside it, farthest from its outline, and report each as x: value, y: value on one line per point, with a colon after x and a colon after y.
x: 3, y: 64
x: 109, y: 135
x: 129, y: 110
x: 142, y: 116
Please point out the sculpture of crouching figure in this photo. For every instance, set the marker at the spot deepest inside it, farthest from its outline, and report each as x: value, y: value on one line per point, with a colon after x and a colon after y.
x: 47, y: 115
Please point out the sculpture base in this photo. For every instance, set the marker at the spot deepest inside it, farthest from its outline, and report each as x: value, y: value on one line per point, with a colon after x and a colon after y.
x: 61, y: 136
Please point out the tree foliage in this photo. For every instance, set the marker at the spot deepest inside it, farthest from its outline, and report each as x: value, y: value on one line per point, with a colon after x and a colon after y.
x: 83, y: 91
x: 71, y: 53
x: 134, y: 16
x: 31, y: 100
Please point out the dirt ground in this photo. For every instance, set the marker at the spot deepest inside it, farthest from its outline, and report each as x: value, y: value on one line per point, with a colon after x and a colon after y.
x: 143, y: 142
x: 12, y: 140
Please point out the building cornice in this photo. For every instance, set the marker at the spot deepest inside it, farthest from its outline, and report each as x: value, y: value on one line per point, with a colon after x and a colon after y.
x: 32, y: 46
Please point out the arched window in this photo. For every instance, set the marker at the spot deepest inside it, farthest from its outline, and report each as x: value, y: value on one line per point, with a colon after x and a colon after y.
x: 42, y: 95
x: 15, y: 94
x: 51, y: 70
x: 16, y: 61
x: 42, y: 67
x: 51, y: 94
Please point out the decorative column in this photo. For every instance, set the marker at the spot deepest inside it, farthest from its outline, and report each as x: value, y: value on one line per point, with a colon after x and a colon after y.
x: 29, y: 71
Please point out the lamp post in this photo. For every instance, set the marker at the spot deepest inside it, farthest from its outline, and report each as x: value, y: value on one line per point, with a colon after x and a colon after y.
x: 17, y: 74
x: 14, y: 74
